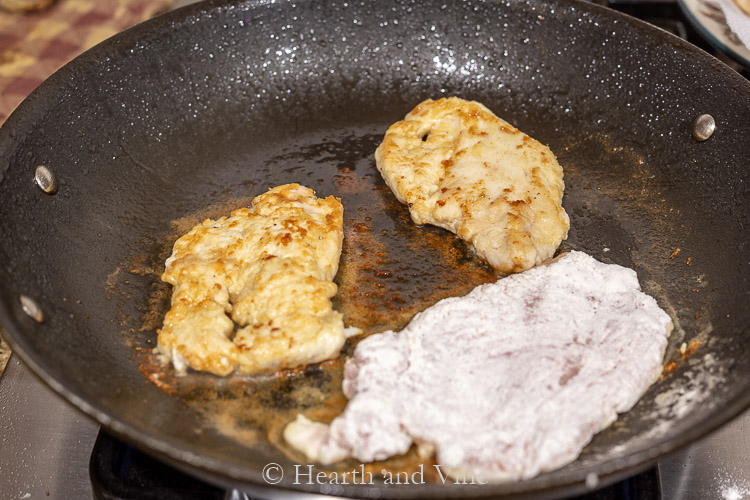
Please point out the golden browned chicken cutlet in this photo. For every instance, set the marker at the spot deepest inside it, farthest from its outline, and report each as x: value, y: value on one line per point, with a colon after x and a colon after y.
x: 268, y: 267
x: 744, y: 5
x: 460, y: 167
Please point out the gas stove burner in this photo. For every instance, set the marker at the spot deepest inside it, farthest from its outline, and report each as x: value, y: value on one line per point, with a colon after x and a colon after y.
x: 120, y: 472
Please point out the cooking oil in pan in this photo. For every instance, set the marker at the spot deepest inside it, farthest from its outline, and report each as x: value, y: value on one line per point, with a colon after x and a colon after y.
x: 390, y: 270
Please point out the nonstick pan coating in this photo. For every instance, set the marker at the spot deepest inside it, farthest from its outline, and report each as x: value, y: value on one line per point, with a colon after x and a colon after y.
x: 194, y: 113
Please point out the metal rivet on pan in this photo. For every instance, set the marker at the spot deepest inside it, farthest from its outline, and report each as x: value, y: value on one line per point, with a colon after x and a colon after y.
x: 32, y: 309
x: 45, y: 179
x: 703, y: 127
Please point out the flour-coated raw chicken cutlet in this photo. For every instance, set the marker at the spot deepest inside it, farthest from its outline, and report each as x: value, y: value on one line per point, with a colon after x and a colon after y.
x: 268, y: 267
x: 460, y: 167
x: 509, y: 381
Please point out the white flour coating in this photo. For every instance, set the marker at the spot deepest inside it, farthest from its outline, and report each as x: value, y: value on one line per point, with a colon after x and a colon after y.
x: 510, y: 381
x: 692, y: 391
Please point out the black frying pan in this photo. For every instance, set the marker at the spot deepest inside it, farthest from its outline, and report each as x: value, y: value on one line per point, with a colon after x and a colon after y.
x: 195, y: 112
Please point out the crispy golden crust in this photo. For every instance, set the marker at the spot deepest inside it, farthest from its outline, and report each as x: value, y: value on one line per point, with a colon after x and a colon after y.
x: 460, y: 167
x: 744, y: 5
x: 270, y: 267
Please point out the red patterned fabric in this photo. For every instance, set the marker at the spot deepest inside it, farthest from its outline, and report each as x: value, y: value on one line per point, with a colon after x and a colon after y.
x: 33, y: 46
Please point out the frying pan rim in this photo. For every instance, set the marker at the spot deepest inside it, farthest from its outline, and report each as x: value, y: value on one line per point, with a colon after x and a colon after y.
x: 163, y: 447
x: 133, y: 32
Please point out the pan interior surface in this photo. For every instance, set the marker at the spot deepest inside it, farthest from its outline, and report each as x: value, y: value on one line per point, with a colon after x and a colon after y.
x: 194, y: 113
